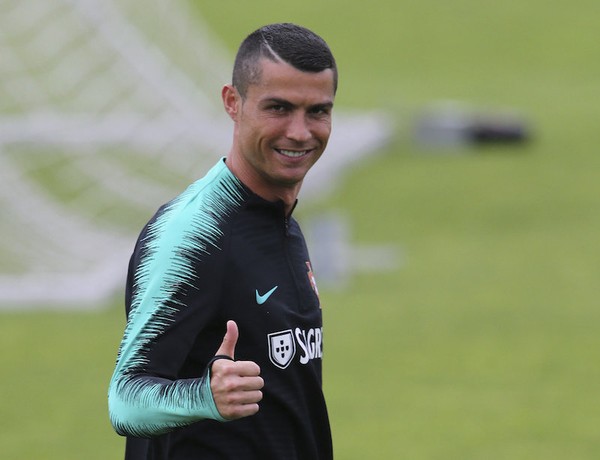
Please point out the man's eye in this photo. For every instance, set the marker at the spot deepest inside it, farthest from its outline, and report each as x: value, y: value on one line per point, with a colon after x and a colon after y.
x: 320, y: 111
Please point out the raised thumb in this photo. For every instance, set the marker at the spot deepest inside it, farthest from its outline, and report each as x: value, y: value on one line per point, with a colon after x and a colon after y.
x: 229, y: 341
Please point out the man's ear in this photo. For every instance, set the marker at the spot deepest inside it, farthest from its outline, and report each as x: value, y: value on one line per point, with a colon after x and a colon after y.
x: 231, y: 101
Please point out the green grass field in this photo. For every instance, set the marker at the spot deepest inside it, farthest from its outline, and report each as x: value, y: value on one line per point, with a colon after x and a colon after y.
x: 485, y: 343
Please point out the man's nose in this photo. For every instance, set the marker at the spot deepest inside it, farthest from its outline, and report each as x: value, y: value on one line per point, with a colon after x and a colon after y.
x: 298, y: 128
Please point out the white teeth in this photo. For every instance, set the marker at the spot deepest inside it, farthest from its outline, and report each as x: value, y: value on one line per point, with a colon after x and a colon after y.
x: 293, y: 153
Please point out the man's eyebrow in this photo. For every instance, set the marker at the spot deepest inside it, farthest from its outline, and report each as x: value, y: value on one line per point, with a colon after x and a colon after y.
x: 322, y: 105
x: 284, y: 102
x: 276, y: 101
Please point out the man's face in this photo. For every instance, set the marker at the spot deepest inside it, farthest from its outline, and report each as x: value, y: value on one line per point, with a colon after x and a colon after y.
x: 283, y: 125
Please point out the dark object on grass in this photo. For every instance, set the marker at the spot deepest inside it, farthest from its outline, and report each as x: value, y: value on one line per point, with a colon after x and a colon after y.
x: 497, y: 131
x: 452, y: 125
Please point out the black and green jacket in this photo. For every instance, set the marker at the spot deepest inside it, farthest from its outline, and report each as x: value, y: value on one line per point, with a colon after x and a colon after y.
x: 219, y: 252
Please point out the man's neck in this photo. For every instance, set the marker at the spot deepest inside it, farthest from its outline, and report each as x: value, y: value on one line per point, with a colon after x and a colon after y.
x: 269, y: 192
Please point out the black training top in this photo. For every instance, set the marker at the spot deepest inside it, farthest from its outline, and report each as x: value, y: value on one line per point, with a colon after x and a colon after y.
x: 219, y: 252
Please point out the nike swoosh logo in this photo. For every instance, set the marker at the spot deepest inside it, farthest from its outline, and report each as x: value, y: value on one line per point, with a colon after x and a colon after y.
x: 260, y: 299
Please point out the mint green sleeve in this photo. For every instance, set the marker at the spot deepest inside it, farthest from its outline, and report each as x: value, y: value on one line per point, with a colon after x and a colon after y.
x: 171, y: 295
x: 146, y: 406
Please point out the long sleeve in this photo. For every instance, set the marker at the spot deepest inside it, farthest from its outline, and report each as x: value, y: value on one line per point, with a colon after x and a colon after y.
x: 146, y: 406
x: 173, y: 292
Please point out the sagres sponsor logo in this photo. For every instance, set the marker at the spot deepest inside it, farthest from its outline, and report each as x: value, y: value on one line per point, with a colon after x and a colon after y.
x: 282, y: 346
x: 311, y: 343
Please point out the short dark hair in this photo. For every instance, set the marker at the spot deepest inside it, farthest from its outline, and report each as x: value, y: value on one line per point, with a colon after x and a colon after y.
x: 293, y: 44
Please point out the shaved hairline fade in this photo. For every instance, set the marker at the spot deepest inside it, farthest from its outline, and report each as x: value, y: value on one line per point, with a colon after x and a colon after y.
x: 282, y: 42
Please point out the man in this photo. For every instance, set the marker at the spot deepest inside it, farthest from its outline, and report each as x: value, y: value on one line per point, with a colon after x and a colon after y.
x: 221, y: 356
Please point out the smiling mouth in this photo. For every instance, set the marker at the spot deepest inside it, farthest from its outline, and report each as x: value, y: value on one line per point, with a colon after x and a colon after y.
x: 293, y: 153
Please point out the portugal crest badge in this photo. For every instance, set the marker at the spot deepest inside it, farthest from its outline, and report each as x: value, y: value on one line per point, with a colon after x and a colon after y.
x: 282, y: 348
x: 311, y: 278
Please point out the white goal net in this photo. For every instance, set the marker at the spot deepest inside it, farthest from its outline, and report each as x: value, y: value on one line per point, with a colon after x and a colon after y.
x: 108, y: 108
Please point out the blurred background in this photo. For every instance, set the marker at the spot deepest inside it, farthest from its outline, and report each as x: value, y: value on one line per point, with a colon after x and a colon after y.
x: 453, y: 221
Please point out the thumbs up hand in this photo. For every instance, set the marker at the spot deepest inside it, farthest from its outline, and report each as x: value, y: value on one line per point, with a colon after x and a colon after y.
x: 235, y: 385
